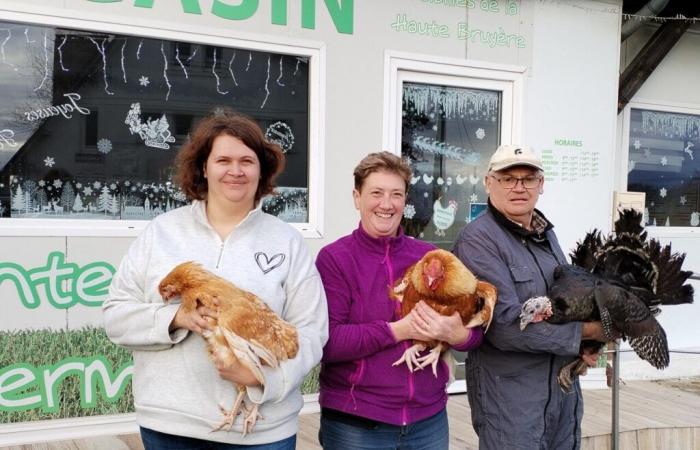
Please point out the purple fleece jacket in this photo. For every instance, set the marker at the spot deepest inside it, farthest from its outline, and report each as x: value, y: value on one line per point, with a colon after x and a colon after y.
x: 357, y: 376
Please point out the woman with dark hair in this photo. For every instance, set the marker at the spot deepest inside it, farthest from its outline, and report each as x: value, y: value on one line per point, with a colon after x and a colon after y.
x: 225, y: 169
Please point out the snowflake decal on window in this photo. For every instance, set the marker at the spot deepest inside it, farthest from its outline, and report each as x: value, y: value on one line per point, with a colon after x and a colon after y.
x: 144, y: 81
x: 87, y: 190
x: 480, y: 133
x: 49, y: 161
x: 57, y: 184
x: 104, y: 146
x: 409, y: 211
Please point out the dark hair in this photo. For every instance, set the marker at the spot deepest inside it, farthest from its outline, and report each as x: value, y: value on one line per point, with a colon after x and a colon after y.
x: 381, y: 161
x: 192, y: 157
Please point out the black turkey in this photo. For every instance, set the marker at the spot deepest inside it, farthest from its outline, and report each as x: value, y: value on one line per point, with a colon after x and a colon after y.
x: 620, y: 280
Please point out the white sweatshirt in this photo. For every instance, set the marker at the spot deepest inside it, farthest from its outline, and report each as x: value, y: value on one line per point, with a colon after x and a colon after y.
x: 177, y: 389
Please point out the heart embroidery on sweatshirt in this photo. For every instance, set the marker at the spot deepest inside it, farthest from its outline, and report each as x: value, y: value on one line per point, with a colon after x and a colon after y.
x: 266, y: 263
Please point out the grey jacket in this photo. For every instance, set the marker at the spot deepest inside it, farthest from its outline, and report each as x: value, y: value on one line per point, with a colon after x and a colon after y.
x: 515, y: 400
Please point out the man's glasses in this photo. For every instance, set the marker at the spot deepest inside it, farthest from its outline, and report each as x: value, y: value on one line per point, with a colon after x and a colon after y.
x: 509, y: 181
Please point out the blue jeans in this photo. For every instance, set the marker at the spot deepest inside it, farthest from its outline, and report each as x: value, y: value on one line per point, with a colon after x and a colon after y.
x: 432, y: 433
x: 155, y: 440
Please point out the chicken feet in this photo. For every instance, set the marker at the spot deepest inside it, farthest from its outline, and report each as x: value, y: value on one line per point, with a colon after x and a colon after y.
x: 411, y: 358
x: 230, y: 415
x: 431, y: 358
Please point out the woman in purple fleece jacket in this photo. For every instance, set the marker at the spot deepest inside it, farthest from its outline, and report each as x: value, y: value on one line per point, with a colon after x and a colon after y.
x: 366, y: 402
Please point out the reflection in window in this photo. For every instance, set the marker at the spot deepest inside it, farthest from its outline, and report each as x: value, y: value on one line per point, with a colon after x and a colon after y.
x: 90, y: 122
x: 663, y: 164
x: 448, y: 135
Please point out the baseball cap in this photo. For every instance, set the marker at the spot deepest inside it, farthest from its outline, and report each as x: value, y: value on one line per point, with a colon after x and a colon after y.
x: 509, y: 155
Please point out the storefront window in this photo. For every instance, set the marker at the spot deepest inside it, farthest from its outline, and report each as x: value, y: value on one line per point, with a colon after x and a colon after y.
x: 662, y: 164
x: 448, y: 135
x: 90, y: 122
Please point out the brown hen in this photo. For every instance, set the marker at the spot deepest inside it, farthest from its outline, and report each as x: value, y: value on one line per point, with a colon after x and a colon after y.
x: 247, y: 330
x: 441, y: 280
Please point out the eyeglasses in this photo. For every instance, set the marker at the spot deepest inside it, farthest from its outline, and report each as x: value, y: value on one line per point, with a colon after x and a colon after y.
x: 509, y: 181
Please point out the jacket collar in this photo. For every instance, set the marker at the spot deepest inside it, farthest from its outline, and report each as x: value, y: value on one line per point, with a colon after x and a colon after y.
x: 379, y: 245
x: 199, y: 210
x: 540, y: 222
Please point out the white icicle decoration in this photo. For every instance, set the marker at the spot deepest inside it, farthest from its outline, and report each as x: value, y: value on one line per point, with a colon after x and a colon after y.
x: 669, y: 123
x: 230, y: 70
x: 267, y: 81
x: 60, y: 53
x: 177, y: 58
x: 101, y: 49
x: 46, y: 64
x: 279, y: 78
x: 454, y: 102
x: 122, y: 61
x: 218, y: 82
x: 2, y: 47
x: 165, y: 70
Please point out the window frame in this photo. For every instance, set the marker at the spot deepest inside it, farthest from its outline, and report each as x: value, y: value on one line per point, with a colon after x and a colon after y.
x: 622, y: 162
x: 400, y: 67
x: 315, y: 51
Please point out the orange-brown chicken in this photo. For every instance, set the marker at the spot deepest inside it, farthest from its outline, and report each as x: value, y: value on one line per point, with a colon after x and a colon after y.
x: 441, y: 280
x: 247, y: 330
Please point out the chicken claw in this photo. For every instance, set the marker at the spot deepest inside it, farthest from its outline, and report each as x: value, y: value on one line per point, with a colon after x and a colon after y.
x: 431, y: 358
x: 250, y: 419
x: 410, y: 357
x: 230, y: 416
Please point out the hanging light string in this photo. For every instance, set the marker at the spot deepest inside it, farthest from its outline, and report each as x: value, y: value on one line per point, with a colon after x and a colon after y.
x: 676, y: 18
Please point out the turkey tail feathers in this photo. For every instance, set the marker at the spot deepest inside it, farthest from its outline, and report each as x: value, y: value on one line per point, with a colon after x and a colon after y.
x: 584, y: 255
x: 652, y: 348
x: 630, y: 222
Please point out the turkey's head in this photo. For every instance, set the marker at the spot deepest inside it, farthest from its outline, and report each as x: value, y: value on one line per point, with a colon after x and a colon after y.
x: 535, y: 310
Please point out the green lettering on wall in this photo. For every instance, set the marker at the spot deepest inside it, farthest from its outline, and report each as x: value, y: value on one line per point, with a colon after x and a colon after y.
x: 23, y: 386
x: 238, y: 12
x: 341, y: 12
x: 65, y: 284
x: 279, y: 12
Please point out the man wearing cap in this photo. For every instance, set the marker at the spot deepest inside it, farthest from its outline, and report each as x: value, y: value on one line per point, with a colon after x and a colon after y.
x: 515, y: 399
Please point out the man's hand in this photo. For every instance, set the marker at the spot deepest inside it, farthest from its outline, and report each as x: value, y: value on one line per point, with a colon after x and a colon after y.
x: 593, y: 331
x: 590, y: 357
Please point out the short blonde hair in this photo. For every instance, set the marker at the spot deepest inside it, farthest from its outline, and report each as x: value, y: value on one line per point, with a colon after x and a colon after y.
x: 381, y: 161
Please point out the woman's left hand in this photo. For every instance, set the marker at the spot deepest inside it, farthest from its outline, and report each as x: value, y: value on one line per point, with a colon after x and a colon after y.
x: 436, y: 326
x: 235, y: 372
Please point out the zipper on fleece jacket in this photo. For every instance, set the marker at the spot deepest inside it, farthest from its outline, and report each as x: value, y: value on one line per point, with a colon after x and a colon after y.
x: 411, y: 388
x: 221, y: 254
x: 411, y: 393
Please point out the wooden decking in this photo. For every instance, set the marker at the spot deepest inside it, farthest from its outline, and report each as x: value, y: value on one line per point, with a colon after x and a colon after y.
x: 652, y: 417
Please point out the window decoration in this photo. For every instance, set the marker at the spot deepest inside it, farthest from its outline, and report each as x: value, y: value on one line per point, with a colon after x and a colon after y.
x: 448, y: 134
x: 662, y: 163
x: 90, y: 122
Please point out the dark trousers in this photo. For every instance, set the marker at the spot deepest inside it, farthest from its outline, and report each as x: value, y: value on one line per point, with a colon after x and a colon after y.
x: 155, y: 440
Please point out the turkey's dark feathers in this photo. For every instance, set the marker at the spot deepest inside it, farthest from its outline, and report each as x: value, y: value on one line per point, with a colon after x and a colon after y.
x: 584, y: 255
